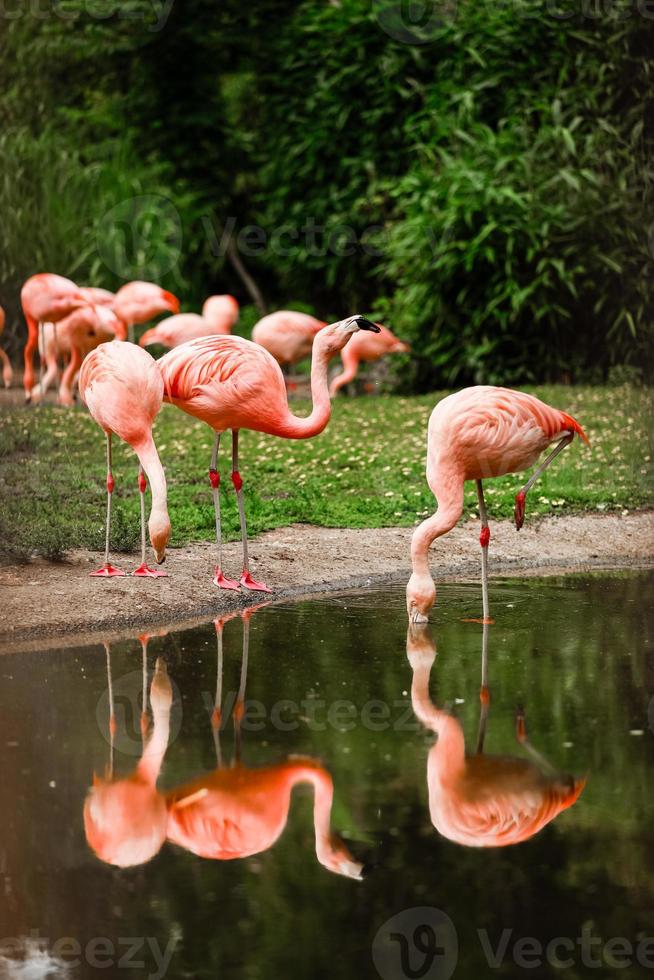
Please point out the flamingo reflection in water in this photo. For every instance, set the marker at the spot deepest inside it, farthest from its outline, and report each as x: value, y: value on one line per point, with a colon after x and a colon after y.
x: 480, y: 800
x: 125, y: 819
x: 237, y: 811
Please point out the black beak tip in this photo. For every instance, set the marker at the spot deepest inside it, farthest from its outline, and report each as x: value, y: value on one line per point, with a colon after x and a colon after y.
x: 160, y: 561
x: 364, y: 324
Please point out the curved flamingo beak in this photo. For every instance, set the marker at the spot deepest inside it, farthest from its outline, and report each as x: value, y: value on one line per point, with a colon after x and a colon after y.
x: 364, y: 324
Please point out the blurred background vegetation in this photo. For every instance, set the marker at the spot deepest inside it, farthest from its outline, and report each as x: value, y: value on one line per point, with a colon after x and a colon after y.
x: 488, y: 193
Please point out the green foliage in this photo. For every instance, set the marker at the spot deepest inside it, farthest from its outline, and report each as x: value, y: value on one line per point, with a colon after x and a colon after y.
x: 488, y: 192
x: 365, y: 470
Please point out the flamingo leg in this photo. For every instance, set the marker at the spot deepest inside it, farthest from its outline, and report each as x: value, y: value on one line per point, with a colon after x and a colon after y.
x: 239, y: 707
x: 144, y: 570
x: 108, y: 570
x: 216, y: 714
x: 484, y: 693
x: 28, y: 355
x: 484, y: 538
x: 246, y: 579
x: 130, y: 332
x: 214, y: 477
x: 7, y: 370
x: 112, y: 712
x: 519, y: 512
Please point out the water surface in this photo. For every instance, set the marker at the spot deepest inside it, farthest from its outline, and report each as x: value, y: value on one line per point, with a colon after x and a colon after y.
x: 329, y: 679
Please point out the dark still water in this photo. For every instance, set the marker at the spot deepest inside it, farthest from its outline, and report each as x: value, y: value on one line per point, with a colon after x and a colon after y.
x: 228, y: 822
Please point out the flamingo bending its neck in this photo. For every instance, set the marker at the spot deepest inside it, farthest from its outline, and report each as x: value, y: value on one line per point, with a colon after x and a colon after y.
x: 481, y: 800
x: 473, y: 434
x: 45, y: 297
x: 219, y: 314
x: 137, y: 302
x: 123, y: 391
x: 231, y: 383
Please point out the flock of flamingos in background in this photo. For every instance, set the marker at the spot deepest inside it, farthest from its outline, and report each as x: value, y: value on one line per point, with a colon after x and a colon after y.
x: 232, y: 383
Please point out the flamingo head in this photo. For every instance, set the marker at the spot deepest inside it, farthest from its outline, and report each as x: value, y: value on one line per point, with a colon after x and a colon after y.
x: 169, y: 301
x: 336, y: 857
x: 159, y: 530
x: 420, y: 597
x: 335, y: 336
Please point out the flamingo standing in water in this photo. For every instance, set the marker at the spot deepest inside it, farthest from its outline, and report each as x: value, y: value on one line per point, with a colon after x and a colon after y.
x: 477, y: 433
x: 366, y: 347
x: 123, y: 391
x: 7, y: 372
x: 45, y: 298
x: 287, y: 335
x: 239, y: 811
x: 137, y: 302
x: 482, y: 800
x: 219, y: 314
x: 231, y: 383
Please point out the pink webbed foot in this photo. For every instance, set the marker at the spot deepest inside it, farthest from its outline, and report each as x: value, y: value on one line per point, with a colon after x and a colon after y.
x: 107, y: 571
x: 519, y: 512
x: 249, y: 583
x: 144, y: 571
x: 222, y: 582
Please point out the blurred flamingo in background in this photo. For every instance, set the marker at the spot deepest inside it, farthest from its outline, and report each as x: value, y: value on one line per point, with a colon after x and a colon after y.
x: 366, y: 347
x: 73, y: 337
x: 219, y: 314
x: 125, y: 818
x: 236, y: 812
x: 137, y: 302
x: 231, y: 383
x: 473, y: 434
x: 7, y: 372
x: 123, y: 391
x: 45, y: 298
x: 482, y: 800
x: 287, y: 335
x: 97, y: 296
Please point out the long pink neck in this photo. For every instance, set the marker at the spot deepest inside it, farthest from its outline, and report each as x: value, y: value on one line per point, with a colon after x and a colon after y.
x: 448, y: 755
x: 292, y: 427
x: 450, y: 508
x: 149, y: 459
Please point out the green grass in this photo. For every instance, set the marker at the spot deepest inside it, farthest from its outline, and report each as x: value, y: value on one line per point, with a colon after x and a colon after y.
x: 365, y: 470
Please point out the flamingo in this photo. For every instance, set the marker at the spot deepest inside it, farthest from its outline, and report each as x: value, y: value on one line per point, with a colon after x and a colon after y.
x: 482, y: 800
x: 232, y: 383
x: 137, y: 302
x: 74, y: 336
x: 239, y: 811
x: 7, y: 372
x: 219, y: 314
x: 97, y: 296
x: 123, y: 391
x: 287, y: 335
x: 125, y: 819
x: 366, y: 347
x: 45, y: 297
x: 476, y: 433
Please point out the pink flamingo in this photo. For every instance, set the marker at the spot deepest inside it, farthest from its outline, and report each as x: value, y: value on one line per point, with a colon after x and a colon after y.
x: 236, y: 812
x: 7, y: 372
x: 287, y: 335
x: 473, y: 434
x: 125, y: 819
x: 366, y: 347
x: 137, y: 302
x: 123, y: 391
x: 482, y: 800
x: 97, y: 296
x: 219, y: 314
x: 231, y: 383
x: 73, y: 337
x: 45, y: 298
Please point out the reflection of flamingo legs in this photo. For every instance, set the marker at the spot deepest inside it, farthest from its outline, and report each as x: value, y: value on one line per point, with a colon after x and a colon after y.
x: 521, y: 736
x: 484, y: 693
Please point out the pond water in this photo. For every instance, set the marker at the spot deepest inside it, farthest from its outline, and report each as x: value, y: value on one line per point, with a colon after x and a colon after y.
x: 570, y: 891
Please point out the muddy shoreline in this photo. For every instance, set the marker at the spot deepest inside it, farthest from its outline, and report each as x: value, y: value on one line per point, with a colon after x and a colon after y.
x: 56, y: 604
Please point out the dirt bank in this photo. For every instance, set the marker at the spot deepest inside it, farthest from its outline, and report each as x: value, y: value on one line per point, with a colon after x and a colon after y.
x: 47, y: 601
